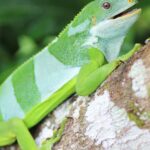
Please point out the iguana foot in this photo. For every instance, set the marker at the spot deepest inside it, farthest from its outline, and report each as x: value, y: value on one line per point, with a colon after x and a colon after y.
x: 125, y: 57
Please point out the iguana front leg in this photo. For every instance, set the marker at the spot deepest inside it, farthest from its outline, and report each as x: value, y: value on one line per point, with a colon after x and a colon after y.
x: 91, y: 77
x: 125, y: 57
x: 93, y: 74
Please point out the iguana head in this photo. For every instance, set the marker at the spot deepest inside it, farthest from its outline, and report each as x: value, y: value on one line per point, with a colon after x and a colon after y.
x: 111, y: 21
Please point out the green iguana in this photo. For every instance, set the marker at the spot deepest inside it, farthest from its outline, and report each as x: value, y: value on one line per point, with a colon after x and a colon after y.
x: 77, y: 61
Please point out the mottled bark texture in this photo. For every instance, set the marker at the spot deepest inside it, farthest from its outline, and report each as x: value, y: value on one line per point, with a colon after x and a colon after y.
x: 115, y: 117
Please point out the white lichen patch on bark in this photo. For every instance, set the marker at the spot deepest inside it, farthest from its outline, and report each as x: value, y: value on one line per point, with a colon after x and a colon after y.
x: 76, y: 107
x: 53, y: 122
x: 138, y: 74
x: 62, y: 111
x: 47, y: 132
x: 110, y: 127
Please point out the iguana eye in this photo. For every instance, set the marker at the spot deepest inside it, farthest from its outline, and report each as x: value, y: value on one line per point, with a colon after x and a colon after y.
x: 106, y: 5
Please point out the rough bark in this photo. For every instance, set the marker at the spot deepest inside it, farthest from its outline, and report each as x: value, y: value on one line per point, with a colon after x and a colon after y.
x: 115, y: 117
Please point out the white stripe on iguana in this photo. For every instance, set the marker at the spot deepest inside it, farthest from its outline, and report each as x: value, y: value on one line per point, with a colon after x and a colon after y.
x: 79, y: 28
x: 51, y: 74
x: 8, y: 104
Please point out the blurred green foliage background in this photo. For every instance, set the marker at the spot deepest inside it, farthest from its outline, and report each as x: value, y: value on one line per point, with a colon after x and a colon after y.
x: 26, y: 26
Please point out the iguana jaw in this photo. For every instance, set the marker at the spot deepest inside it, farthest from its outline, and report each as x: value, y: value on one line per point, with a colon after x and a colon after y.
x: 127, y: 14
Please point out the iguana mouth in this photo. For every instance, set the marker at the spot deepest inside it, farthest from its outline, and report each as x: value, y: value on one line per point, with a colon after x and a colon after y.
x: 126, y: 13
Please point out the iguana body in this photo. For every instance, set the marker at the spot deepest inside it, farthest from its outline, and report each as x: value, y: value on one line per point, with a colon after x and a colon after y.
x: 71, y: 63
